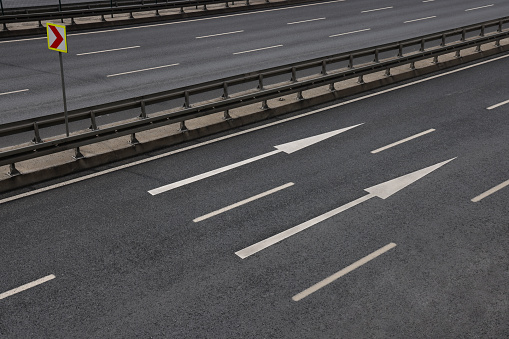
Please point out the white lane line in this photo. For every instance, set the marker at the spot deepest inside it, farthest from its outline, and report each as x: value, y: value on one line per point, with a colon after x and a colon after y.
x: 428, y: 0
x: 183, y: 22
x: 360, y: 30
x: 219, y: 34
x: 109, y: 50
x: 426, y: 18
x: 377, y: 9
x: 258, y: 49
x: 490, y: 191
x: 141, y: 70
x: 472, y: 9
x: 498, y: 105
x: 343, y: 272
x: 184, y: 149
x: 402, y: 141
x: 21, y: 90
x: 243, y: 202
x: 27, y: 286
x: 300, y: 22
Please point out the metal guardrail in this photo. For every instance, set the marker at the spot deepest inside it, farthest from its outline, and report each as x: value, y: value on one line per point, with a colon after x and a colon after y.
x: 328, y: 71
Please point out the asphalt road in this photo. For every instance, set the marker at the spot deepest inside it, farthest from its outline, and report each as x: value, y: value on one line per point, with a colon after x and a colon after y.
x: 159, y: 57
x: 122, y: 263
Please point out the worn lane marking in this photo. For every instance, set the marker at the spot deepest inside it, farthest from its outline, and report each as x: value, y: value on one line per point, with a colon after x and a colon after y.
x: 343, y: 272
x: 498, y: 105
x: 27, y: 286
x: 219, y: 34
x: 258, y: 49
x: 243, y: 202
x: 360, y: 30
x: 21, y: 90
x: 377, y: 9
x: 471, y: 9
x: 490, y: 191
x: 141, y: 70
x: 300, y: 22
x: 402, y: 141
x: 429, y: 17
x: 184, y: 149
x: 428, y: 0
x: 109, y: 50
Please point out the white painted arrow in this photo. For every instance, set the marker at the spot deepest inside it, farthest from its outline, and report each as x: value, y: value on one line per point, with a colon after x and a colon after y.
x: 383, y: 191
x: 287, y: 148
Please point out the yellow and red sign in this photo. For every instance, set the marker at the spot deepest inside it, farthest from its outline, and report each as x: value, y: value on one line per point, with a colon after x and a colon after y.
x: 57, y: 37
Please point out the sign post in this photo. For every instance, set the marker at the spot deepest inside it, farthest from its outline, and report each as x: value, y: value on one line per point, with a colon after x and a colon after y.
x: 57, y: 41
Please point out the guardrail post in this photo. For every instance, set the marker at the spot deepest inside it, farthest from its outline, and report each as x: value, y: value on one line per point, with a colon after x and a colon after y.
x: 157, y: 12
x: 361, y: 79
x: 93, y: 126
x: 497, y: 43
x: 443, y: 40
x: 186, y: 99
x: 331, y: 87
x: 143, y: 114
x: 463, y: 34
x: 4, y: 28
x: 37, y: 139
x: 181, y: 9
x: 350, y: 61
x: 388, y: 72
x: 205, y: 7
x: 478, y: 48
x: 482, y: 30
x: 412, y: 65
x: 457, y: 55
x: 226, y: 115
x: 102, y: 18
x: 40, y: 24
x: 324, y: 67
x: 499, y: 30
x: 13, y: 171
x: 226, y: 4
x: 421, y: 49
x: 400, y: 50
x: 77, y: 154
x: 247, y: 2
x: 294, y: 75
x: 73, y: 22
x: 132, y: 140
x: 131, y: 15
x: 376, y: 55
x: 265, y: 105
x: 435, y: 60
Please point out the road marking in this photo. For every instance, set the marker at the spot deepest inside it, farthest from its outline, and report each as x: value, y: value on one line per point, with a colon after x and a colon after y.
x: 243, y: 202
x: 184, y: 149
x: 21, y: 90
x: 27, y: 286
x: 360, y: 30
x: 378, y: 9
x: 429, y: 17
x: 471, y: 9
x: 343, y: 272
x: 219, y: 34
x: 258, y: 49
x: 183, y: 22
x: 109, y: 50
x: 498, y: 105
x: 141, y: 70
x: 428, y: 0
x: 490, y: 191
x: 402, y: 141
x: 300, y: 22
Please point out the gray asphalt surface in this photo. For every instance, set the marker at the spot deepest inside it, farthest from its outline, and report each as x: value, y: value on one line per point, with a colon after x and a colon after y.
x: 29, y: 64
x: 131, y: 265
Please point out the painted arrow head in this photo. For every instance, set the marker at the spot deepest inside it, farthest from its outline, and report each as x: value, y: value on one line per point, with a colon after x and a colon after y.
x: 294, y: 146
x: 388, y: 188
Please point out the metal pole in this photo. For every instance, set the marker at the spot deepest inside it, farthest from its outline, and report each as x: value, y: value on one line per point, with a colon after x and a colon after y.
x: 63, y: 92
x: 111, y: 6
x: 60, y: 9
x: 2, y: 6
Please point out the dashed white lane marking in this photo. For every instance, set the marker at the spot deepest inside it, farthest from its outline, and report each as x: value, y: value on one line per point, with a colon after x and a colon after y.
x: 109, y: 50
x: 402, y: 141
x: 219, y: 34
x: 490, y: 191
x: 27, y: 286
x: 426, y: 18
x: 360, y: 30
x: 243, y: 202
x: 472, y: 9
x: 498, y: 105
x: 428, y: 0
x: 377, y: 9
x: 141, y: 70
x: 21, y: 90
x: 343, y: 272
x: 258, y: 49
x: 303, y: 21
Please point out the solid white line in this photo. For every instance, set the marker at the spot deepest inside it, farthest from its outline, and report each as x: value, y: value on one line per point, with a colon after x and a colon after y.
x: 184, y: 149
x: 109, y: 50
x: 360, y: 30
x: 402, y: 141
x: 378, y: 9
x: 471, y: 9
x: 27, y: 286
x: 219, y: 34
x: 22, y: 90
x: 261, y: 245
x: 258, y: 49
x: 498, y: 105
x: 490, y: 191
x: 429, y: 17
x: 202, y: 176
x: 343, y: 272
x: 243, y: 202
x: 141, y: 70
x: 300, y: 22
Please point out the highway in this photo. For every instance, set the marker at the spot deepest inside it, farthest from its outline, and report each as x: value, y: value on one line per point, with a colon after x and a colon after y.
x: 119, y: 63
x: 124, y: 255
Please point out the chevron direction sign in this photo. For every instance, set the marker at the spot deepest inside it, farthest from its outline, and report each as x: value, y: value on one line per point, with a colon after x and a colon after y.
x: 57, y: 38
